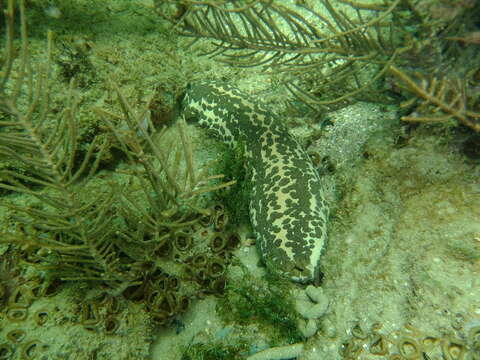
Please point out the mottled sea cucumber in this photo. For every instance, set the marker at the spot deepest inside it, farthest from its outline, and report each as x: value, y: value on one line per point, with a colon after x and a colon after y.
x: 288, y: 210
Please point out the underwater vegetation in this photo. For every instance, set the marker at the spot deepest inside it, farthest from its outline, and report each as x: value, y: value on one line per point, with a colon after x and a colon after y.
x: 423, y: 53
x: 257, y: 314
x: 266, y: 303
x: 113, y: 209
x: 147, y: 233
x: 212, y: 352
x: 235, y: 197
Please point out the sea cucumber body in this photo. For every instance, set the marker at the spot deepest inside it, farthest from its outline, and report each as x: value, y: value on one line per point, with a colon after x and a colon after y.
x: 287, y: 208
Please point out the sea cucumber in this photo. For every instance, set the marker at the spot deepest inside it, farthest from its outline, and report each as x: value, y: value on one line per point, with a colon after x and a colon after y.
x: 287, y: 208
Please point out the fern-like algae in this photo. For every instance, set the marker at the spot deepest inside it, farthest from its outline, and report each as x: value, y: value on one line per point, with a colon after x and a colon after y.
x: 65, y: 221
x: 438, y: 99
x: 335, y: 57
x: 300, y: 40
x: 213, y: 351
x: 76, y: 225
x: 267, y: 303
x: 170, y: 183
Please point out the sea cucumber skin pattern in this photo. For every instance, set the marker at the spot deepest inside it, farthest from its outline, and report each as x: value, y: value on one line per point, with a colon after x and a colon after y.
x: 287, y: 208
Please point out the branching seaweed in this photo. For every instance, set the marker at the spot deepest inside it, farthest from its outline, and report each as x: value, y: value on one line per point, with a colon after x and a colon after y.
x: 76, y: 224
x: 299, y: 40
x: 279, y: 35
x: 344, y: 51
x: 74, y: 227
x: 439, y: 99
x: 170, y: 183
